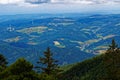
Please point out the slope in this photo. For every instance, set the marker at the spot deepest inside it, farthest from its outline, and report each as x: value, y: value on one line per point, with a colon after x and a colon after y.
x: 103, y: 67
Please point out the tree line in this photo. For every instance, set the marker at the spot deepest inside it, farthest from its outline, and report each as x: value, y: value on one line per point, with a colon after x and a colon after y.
x: 49, y: 69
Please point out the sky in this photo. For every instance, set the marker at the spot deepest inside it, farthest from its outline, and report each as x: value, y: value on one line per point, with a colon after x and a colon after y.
x: 59, y: 6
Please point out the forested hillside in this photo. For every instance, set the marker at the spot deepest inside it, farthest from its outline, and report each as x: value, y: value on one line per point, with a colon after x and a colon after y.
x: 102, y: 67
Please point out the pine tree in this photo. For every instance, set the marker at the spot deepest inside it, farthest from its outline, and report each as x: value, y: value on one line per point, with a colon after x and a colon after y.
x: 113, y: 45
x: 48, y: 65
x: 111, y: 62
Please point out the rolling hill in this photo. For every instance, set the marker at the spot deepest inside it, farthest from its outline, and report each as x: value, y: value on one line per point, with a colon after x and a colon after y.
x: 68, y: 36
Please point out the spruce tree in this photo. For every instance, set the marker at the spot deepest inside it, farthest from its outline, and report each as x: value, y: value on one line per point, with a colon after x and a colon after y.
x: 48, y: 65
x: 113, y: 45
x: 111, y: 62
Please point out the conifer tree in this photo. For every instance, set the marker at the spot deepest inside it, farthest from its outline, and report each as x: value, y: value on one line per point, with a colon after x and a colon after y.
x: 113, y: 45
x: 48, y: 65
x: 112, y: 59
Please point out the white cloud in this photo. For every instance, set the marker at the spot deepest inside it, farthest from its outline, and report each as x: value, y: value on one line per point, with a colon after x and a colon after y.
x: 36, y: 2
x: 72, y: 1
x: 58, y: 6
x: 82, y: 1
x: 11, y: 1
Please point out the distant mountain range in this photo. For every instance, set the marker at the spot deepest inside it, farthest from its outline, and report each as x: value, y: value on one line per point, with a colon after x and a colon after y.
x: 72, y: 38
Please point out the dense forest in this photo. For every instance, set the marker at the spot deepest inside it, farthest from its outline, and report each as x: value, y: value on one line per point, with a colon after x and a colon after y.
x: 102, y: 67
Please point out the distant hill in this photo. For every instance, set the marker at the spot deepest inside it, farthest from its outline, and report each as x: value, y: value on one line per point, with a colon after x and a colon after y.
x: 68, y: 35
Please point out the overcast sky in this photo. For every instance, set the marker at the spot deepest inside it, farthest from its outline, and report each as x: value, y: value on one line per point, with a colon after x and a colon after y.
x: 59, y: 6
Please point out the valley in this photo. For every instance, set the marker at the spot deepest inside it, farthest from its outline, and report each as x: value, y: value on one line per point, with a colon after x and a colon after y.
x: 71, y: 38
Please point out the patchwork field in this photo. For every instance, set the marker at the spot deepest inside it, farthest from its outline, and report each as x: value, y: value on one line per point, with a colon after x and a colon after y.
x: 71, y: 39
